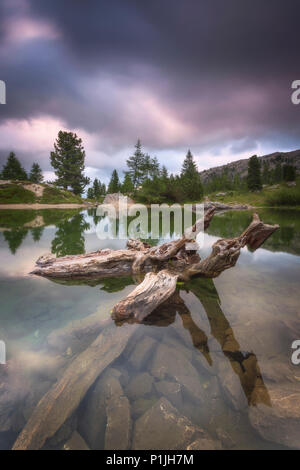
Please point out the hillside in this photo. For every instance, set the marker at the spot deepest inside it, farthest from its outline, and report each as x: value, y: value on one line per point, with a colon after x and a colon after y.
x: 240, y: 167
x: 24, y: 192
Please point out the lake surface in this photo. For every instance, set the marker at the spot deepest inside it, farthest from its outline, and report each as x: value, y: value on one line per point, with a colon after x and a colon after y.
x: 219, y: 354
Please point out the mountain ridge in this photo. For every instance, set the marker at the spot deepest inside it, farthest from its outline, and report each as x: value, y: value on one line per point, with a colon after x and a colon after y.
x: 240, y: 167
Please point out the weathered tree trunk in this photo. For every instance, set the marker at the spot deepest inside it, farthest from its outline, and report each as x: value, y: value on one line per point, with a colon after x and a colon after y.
x: 154, y: 290
x: 139, y: 257
x: 224, y: 255
x: 170, y: 261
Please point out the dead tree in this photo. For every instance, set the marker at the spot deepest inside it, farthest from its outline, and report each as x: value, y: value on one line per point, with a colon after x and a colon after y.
x: 162, y: 265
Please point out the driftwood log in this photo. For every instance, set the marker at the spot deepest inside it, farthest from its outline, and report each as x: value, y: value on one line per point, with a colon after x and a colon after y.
x: 164, y: 265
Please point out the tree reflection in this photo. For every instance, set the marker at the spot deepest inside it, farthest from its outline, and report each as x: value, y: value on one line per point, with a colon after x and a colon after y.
x: 37, y: 233
x: 14, y: 239
x: 69, y: 236
x: 243, y: 363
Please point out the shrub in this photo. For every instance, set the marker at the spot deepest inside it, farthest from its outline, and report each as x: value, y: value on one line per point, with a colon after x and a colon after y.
x: 284, y: 197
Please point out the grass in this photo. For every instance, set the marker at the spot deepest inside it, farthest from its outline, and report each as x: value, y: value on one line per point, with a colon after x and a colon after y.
x: 284, y: 197
x: 54, y: 195
x: 269, y: 196
x: 15, y: 194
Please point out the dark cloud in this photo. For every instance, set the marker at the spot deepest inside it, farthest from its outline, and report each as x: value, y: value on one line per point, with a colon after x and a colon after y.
x: 201, y: 74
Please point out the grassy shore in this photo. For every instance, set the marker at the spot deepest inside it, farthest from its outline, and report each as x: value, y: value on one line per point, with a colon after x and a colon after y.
x: 18, y: 193
x: 270, y: 196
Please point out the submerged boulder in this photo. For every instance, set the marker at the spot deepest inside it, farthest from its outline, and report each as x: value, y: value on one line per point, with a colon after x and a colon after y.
x: 162, y: 427
x: 118, y: 427
x: 75, y: 443
x: 280, y: 421
x: 168, y: 362
x: 140, y: 386
x: 231, y: 384
x: 170, y: 390
x: 142, y: 352
x: 92, y: 421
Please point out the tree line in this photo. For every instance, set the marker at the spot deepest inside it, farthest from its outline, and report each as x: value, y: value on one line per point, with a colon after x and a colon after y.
x: 267, y: 173
x: 13, y: 170
x: 145, y: 179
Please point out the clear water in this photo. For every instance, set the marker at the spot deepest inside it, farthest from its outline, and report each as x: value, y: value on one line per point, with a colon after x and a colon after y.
x: 251, y: 312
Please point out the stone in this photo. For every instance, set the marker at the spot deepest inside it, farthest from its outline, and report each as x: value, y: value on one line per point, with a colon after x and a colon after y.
x: 225, y: 438
x: 205, y: 367
x: 204, y: 444
x: 168, y: 362
x: 12, y: 396
x: 92, y: 419
x: 280, y: 421
x: 231, y: 385
x: 171, y: 391
x: 75, y: 443
x: 179, y: 346
x: 162, y: 427
x: 141, y: 405
x: 142, y: 352
x: 63, y: 434
x: 118, y: 428
x: 139, y: 386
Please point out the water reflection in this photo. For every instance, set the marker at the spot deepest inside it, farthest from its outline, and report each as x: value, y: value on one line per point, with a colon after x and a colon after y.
x: 285, y: 239
x: 71, y: 225
x: 69, y: 236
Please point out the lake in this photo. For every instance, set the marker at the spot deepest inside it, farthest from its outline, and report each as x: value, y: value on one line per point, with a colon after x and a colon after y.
x: 217, y: 360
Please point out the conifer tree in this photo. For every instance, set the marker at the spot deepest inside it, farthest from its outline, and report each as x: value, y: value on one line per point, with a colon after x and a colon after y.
x: 13, y: 169
x: 190, y: 179
x: 114, y: 184
x: 36, y: 174
x: 127, y: 186
x: 254, y: 174
x: 68, y: 162
x: 136, y: 165
x: 90, y: 193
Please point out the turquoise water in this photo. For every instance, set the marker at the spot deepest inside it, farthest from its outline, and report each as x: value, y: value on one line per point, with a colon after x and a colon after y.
x: 232, y: 334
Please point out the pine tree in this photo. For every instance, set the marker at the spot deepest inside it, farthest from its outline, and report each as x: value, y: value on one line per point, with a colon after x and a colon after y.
x: 278, y: 173
x: 254, y: 174
x: 13, y: 169
x: 137, y: 164
x: 114, y: 184
x: 36, y: 174
x: 97, y: 188
x: 289, y: 173
x: 190, y: 179
x: 90, y: 193
x: 68, y: 162
x: 103, y: 189
x: 127, y: 186
x: 266, y: 175
x: 164, y: 174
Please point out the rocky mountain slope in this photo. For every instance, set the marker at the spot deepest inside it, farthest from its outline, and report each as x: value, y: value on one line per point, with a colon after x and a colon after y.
x: 240, y: 167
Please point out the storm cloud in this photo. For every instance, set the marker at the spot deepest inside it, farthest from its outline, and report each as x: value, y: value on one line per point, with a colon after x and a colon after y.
x: 211, y: 75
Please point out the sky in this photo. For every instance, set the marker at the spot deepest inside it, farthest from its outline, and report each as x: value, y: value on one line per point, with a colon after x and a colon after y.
x: 210, y: 75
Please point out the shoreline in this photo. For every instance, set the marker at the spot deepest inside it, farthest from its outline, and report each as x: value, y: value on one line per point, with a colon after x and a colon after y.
x: 46, y: 206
